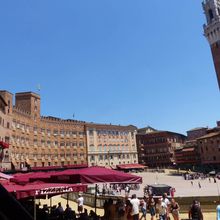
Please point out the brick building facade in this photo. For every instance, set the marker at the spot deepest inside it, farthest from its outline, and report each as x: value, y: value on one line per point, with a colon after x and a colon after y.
x: 209, y: 149
x: 189, y: 154
x: 156, y: 149
x: 37, y: 141
x: 5, y: 131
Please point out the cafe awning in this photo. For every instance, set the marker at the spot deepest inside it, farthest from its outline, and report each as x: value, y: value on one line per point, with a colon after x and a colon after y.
x: 85, y: 176
x: 95, y: 175
x: 39, y: 189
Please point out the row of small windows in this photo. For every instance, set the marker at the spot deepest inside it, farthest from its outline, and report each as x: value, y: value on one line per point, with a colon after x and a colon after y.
x: 206, y: 149
x: 43, y: 142
x: 211, y: 141
x: 110, y: 148
x: 111, y: 157
x: 110, y: 132
x: 54, y: 163
x: 56, y: 143
x: 42, y: 164
x: 107, y: 163
x: 46, y: 131
x: 161, y: 157
x: 52, y: 156
x: 112, y: 138
x: 161, y: 140
x: 159, y: 150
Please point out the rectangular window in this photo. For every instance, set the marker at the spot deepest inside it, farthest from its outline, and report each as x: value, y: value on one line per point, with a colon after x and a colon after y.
x: 35, y: 129
x: 62, y: 133
x: 48, y: 132
x: 74, y: 133
x: 55, y: 132
x: 35, y: 142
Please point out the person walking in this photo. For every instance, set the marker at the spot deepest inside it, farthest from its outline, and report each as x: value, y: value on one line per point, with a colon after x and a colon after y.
x: 135, y: 207
x: 161, y: 209
x: 80, y: 202
x: 60, y: 211
x: 151, y: 207
x: 174, y: 209
x: 68, y: 213
x: 195, y: 211
x: 167, y: 202
x: 143, y: 205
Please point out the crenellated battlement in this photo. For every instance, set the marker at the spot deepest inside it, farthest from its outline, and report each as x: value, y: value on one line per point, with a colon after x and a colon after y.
x: 21, y: 111
x: 60, y: 120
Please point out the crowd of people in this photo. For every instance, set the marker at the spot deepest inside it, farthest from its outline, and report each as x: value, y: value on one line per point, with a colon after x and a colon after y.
x: 126, y: 208
x: 116, y: 189
x: 130, y: 208
x: 57, y: 212
x: 160, y: 208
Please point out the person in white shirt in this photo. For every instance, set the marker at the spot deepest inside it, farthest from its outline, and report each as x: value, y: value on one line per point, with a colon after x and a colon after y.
x: 80, y: 201
x: 167, y: 202
x: 161, y: 209
x: 135, y: 207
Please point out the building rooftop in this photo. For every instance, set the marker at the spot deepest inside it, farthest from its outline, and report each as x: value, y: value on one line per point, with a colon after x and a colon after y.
x: 27, y: 93
x: 213, y: 134
x: 199, y: 128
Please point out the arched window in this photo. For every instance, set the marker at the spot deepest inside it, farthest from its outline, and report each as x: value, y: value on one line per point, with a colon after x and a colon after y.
x: 211, y: 16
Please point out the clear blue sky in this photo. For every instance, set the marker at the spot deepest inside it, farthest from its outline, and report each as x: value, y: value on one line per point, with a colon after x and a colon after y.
x: 112, y: 61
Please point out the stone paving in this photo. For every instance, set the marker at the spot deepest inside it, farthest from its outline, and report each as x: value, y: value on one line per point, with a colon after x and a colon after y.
x: 183, y: 187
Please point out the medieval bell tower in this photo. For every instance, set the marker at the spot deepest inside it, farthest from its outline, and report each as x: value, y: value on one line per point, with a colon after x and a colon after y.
x: 212, y: 31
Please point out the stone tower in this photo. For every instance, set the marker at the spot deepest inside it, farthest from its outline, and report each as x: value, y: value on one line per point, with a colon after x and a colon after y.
x: 29, y: 102
x: 212, y: 31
